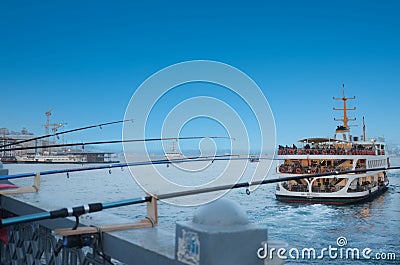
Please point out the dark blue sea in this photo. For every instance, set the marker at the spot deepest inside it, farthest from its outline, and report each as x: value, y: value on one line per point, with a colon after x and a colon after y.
x: 372, y: 225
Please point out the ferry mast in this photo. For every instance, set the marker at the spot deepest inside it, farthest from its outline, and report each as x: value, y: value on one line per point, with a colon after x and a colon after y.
x: 344, y: 130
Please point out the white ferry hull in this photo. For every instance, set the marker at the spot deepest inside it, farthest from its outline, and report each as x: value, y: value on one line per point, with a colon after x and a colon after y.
x: 313, y: 197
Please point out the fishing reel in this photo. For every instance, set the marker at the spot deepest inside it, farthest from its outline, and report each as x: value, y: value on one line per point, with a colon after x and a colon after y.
x: 80, y: 241
x: 76, y: 241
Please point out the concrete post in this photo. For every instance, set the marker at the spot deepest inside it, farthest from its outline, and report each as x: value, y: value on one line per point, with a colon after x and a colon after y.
x: 219, y: 234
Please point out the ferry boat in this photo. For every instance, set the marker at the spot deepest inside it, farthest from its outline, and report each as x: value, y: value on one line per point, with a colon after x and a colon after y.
x: 173, y: 154
x: 343, y: 152
x: 254, y: 158
x: 62, y: 158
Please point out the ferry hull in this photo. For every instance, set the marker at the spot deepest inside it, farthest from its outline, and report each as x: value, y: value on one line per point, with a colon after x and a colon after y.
x: 332, y: 200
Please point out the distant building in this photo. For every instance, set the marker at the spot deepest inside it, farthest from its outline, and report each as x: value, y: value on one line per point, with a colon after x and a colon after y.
x: 39, y: 154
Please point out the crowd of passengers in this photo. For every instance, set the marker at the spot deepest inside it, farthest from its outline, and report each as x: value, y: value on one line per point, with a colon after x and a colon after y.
x: 326, y: 187
x: 324, y: 149
x: 311, y: 169
x: 329, y: 187
x: 308, y: 146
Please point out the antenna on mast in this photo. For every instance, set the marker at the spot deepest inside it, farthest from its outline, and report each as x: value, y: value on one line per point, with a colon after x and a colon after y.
x: 364, y: 131
x: 345, y: 127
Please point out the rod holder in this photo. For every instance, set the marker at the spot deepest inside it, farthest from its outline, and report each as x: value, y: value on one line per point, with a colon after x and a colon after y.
x: 35, y: 187
x: 151, y: 220
x: 152, y: 210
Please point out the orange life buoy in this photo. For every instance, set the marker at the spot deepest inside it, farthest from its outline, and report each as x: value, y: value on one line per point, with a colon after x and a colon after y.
x: 383, y: 152
x: 332, y: 152
x: 324, y: 152
x: 299, y: 152
x: 308, y: 152
x: 279, y: 152
x: 291, y: 152
x: 282, y: 169
x: 298, y: 170
x: 313, y: 170
x: 315, y: 152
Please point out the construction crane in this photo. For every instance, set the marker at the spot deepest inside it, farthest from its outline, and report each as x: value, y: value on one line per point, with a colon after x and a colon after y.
x: 53, y: 126
x: 47, y: 125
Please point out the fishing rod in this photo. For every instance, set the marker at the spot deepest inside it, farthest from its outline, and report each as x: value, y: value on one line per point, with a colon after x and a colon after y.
x: 96, y: 207
x: 64, y: 132
x: 113, y: 142
x: 120, y: 165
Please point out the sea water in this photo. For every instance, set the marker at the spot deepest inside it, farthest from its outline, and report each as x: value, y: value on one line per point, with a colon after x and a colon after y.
x: 372, y: 225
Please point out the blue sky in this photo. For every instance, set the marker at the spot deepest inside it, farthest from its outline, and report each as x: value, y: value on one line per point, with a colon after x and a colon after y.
x: 86, y: 58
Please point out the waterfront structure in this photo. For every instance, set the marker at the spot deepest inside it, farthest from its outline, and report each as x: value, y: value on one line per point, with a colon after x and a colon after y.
x: 39, y: 152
